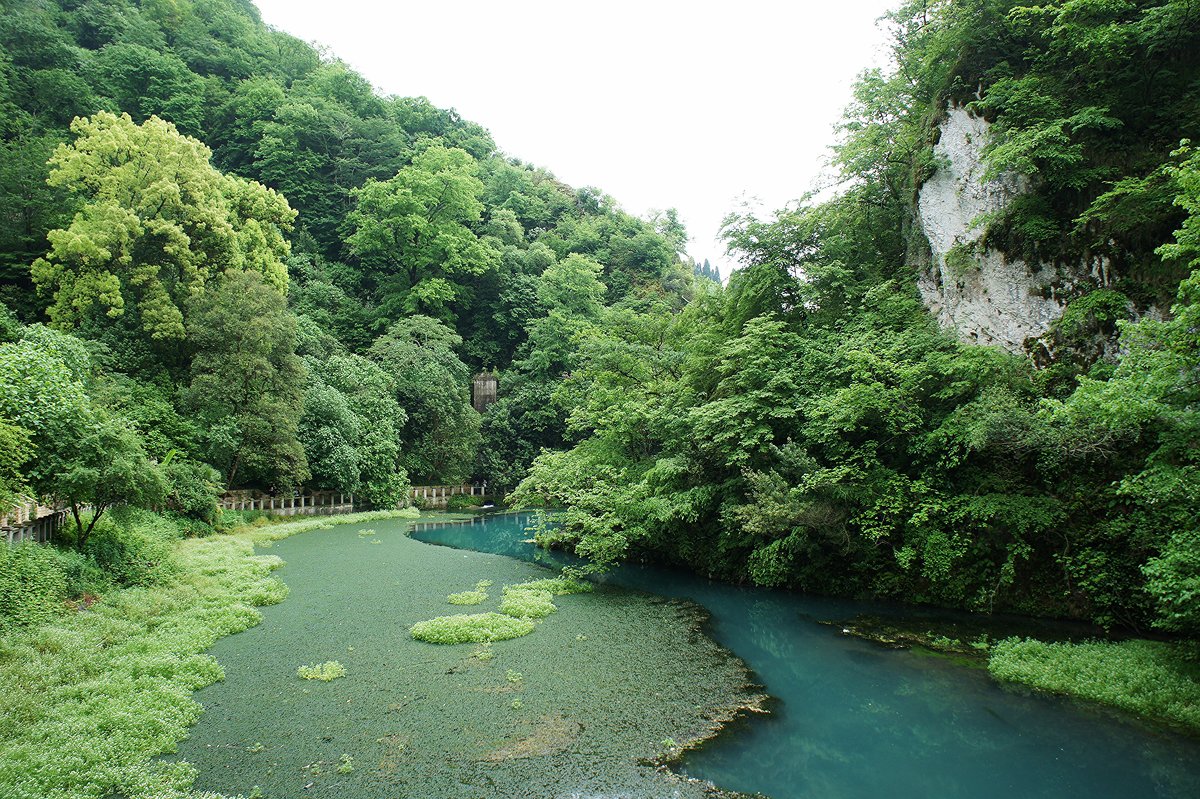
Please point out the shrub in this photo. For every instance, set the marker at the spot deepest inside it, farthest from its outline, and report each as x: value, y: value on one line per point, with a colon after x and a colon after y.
x: 193, y: 489
x: 463, y: 502
x: 33, y: 584
x: 133, y: 548
x: 329, y: 670
x: 477, y: 628
x: 83, y: 575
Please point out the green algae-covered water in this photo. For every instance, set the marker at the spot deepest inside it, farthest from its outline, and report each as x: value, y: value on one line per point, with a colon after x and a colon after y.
x: 610, y: 681
x: 854, y: 720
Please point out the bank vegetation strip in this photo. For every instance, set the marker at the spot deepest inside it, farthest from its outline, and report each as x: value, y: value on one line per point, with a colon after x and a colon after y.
x: 88, y: 699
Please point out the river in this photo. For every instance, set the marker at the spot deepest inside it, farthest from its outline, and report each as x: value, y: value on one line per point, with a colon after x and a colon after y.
x: 853, y: 720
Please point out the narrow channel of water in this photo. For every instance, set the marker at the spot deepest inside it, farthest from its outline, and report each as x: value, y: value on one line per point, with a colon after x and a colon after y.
x: 854, y: 720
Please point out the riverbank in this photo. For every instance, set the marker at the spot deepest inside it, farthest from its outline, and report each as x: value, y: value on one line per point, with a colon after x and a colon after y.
x: 1155, y: 681
x: 88, y: 698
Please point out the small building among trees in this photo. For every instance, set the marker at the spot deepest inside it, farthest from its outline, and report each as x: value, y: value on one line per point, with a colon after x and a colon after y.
x: 483, y: 390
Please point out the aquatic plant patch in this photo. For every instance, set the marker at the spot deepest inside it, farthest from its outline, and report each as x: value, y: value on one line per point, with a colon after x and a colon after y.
x: 1156, y: 679
x: 475, y: 597
x: 558, y: 586
x: 527, y: 603
x: 468, y: 598
x: 329, y: 670
x: 471, y: 628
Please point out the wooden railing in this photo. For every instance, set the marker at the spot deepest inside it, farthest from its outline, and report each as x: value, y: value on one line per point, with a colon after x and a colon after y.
x: 30, y: 520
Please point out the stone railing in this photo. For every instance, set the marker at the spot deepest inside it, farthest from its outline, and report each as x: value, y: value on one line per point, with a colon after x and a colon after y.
x: 29, y: 520
x: 438, y: 496
x: 315, y: 503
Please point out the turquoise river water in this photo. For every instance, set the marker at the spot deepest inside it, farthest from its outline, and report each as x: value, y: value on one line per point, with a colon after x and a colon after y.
x: 854, y: 720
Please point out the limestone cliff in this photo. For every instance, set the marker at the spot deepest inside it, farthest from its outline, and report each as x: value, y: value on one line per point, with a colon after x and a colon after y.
x: 985, y: 297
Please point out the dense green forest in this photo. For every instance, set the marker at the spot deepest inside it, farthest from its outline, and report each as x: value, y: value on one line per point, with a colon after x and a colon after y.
x: 255, y: 272
x: 227, y: 262
x: 811, y: 427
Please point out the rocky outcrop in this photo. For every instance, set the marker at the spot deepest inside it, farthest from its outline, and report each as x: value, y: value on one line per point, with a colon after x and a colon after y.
x: 985, y: 297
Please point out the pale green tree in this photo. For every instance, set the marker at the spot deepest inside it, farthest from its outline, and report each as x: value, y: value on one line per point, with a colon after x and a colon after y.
x: 155, y: 224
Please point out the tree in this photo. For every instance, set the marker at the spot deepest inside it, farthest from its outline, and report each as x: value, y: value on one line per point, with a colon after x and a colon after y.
x: 108, y: 467
x: 39, y: 395
x: 370, y: 393
x: 247, y: 383
x: 413, y: 231
x: 442, y: 429
x: 350, y: 429
x: 146, y: 82
x: 85, y: 456
x: 156, y: 224
x: 15, y: 450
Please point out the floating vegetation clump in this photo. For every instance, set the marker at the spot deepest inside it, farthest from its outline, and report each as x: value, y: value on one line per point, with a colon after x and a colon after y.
x: 329, y: 670
x: 558, y: 586
x: 473, y: 628
x: 526, y: 603
x: 476, y: 597
x: 468, y: 598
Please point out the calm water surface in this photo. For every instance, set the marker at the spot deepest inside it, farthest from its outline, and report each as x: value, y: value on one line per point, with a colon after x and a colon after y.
x: 856, y: 720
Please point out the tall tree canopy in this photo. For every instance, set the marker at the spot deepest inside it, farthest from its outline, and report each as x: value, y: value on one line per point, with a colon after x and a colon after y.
x: 155, y: 223
x: 413, y: 231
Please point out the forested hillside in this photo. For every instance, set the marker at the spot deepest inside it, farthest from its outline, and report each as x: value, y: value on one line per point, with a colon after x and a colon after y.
x: 241, y: 267
x: 812, y: 427
x: 229, y: 263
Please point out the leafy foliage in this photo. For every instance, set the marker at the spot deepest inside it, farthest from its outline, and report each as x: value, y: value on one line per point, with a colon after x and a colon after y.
x: 155, y: 224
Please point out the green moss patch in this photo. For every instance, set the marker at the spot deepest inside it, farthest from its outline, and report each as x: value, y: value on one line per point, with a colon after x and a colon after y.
x: 473, y: 628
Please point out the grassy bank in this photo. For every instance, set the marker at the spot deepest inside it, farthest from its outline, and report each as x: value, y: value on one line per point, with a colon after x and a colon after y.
x: 1154, y: 679
x: 89, y: 697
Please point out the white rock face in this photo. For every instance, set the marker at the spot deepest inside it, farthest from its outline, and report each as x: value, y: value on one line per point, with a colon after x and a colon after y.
x: 984, y: 297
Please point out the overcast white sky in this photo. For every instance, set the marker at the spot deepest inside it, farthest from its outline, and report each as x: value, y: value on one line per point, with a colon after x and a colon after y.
x: 659, y: 104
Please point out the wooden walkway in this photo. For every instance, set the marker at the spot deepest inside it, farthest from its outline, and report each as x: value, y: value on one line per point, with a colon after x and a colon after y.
x: 439, y: 496
x: 317, y: 503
